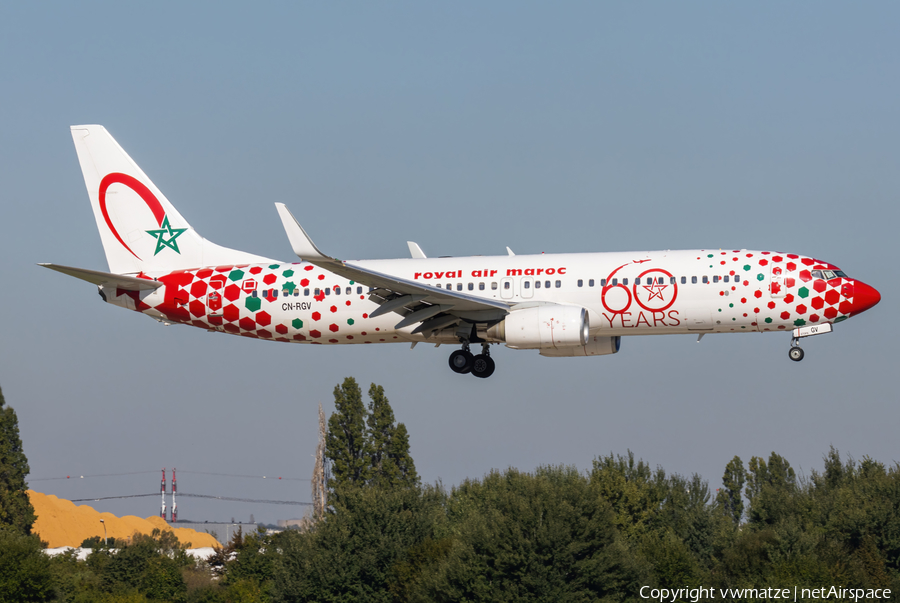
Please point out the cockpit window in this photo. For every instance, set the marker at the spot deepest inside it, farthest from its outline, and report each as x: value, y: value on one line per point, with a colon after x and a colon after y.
x: 840, y: 273
x: 817, y: 274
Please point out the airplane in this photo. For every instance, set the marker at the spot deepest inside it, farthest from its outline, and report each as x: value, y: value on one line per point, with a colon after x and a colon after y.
x: 563, y: 305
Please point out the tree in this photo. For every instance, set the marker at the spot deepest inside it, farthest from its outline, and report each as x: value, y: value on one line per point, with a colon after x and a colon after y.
x: 547, y: 536
x: 365, y: 446
x: 730, y: 496
x: 24, y: 569
x: 347, y: 445
x: 391, y: 463
x: 359, y: 552
x: 15, y: 508
x: 771, y: 489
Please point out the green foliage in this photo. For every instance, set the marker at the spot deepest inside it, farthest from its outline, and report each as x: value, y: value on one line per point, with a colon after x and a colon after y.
x: 365, y: 446
x: 347, y: 445
x: 729, y: 497
x: 15, y: 508
x: 150, y: 565
x: 547, y: 536
x: 24, y: 569
x: 356, y: 552
x: 390, y: 460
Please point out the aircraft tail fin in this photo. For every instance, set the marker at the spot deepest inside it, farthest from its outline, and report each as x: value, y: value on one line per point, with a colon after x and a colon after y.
x: 140, y: 229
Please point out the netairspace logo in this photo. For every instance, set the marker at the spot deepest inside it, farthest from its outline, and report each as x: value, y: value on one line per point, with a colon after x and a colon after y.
x: 836, y: 593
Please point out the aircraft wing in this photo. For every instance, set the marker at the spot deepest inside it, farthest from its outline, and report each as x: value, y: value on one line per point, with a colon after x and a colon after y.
x: 432, y: 305
x: 126, y: 283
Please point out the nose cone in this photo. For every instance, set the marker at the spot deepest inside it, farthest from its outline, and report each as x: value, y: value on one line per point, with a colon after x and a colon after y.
x: 864, y: 297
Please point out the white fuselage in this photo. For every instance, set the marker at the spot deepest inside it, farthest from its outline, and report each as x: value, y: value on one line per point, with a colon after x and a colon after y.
x: 628, y: 293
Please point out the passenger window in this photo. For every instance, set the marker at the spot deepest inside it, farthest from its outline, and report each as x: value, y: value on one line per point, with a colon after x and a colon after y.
x: 580, y: 283
x: 591, y: 283
x: 546, y: 284
x: 526, y: 285
x: 615, y: 282
x: 481, y: 286
x: 318, y: 292
x: 306, y: 292
x: 625, y: 281
x: 537, y: 284
x: 274, y: 293
x: 359, y: 290
x: 448, y: 287
x: 506, y: 285
x: 602, y: 282
x: 327, y: 291
x: 349, y: 290
x: 706, y: 280
x: 716, y: 279
x: 459, y: 286
x: 558, y: 284
x: 337, y: 290
x: 494, y: 286
x: 254, y: 293
x: 296, y: 292
x: 266, y: 293
x: 471, y: 286
x: 725, y: 278
x: 684, y: 280
x: 694, y: 280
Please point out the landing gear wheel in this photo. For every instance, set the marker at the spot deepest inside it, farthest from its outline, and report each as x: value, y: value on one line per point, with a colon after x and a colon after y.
x: 461, y: 361
x: 483, y: 366
x: 796, y: 354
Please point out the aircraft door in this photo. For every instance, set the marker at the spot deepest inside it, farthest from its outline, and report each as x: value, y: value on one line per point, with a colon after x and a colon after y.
x: 526, y: 287
x: 214, y: 301
x: 776, y: 282
x: 506, y: 288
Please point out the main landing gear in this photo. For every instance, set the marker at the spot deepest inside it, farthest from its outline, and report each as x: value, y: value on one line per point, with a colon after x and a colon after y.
x: 482, y: 366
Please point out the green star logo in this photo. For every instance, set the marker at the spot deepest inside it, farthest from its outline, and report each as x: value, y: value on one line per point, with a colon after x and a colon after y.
x: 161, y: 241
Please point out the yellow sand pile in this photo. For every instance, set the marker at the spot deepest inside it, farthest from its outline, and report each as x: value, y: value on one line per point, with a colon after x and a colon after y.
x: 61, y: 523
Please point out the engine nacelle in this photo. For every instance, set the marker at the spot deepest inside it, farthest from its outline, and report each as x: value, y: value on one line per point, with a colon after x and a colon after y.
x: 549, y: 326
x: 596, y: 346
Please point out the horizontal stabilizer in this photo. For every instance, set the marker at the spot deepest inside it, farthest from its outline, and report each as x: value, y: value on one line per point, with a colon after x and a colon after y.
x: 126, y: 283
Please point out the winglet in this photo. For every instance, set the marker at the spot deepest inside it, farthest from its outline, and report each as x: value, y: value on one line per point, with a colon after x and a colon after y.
x: 509, y: 251
x: 415, y: 251
x: 300, y: 241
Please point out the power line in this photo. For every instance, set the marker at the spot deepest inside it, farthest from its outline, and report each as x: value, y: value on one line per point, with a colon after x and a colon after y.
x: 227, y: 498
x: 46, y: 479
x: 259, y: 476
x: 296, y: 479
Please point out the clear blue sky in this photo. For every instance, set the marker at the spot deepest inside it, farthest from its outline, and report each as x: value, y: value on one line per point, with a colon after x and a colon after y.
x: 466, y: 127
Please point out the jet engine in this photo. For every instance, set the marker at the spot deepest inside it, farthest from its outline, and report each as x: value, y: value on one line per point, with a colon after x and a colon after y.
x: 548, y: 326
x: 596, y: 346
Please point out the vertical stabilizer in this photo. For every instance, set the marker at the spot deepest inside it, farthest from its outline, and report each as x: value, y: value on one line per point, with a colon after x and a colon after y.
x: 140, y: 229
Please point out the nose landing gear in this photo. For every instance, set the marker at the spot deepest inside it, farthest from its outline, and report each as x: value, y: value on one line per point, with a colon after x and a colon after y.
x: 482, y: 366
x: 796, y: 352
